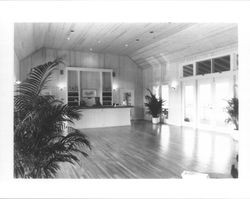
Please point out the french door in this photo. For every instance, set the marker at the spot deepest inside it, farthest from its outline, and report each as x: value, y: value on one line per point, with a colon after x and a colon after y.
x: 189, y: 104
x: 205, y: 102
x: 223, y: 88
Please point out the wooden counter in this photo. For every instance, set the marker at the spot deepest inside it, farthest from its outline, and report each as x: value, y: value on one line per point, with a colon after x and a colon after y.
x: 105, y: 116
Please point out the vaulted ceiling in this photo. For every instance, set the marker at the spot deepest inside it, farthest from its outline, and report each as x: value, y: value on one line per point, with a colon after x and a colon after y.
x: 142, y: 42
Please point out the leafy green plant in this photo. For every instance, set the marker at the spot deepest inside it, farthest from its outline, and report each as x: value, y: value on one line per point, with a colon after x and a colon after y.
x: 233, y: 111
x: 153, y: 104
x: 41, y: 138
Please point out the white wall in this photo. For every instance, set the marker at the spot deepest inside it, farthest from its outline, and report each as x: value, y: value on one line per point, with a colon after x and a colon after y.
x: 127, y: 74
x: 16, y: 68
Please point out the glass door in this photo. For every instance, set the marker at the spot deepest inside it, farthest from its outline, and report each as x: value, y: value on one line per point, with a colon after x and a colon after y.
x: 205, y: 103
x: 223, y: 92
x: 189, y: 103
x: 165, y: 98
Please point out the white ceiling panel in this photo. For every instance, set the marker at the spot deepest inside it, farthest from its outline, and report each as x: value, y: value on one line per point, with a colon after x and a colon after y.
x: 140, y: 41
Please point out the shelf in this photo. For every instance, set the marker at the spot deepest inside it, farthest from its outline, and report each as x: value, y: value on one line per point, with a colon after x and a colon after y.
x: 73, y: 103
x: 106, y: 103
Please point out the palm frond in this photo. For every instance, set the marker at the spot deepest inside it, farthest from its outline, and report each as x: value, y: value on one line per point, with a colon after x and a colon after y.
x: 39, y: 127
x: 154, y: 105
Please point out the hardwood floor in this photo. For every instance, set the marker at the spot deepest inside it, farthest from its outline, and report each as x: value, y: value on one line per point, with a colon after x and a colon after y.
x: 143, y: 150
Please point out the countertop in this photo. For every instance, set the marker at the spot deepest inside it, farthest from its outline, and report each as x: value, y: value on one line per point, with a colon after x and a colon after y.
x: 103, y: 107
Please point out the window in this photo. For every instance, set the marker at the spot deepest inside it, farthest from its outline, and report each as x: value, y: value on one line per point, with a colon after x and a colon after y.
x: 189, y: 103
x: 203, y: 67
x: 188, y: 70
x: 215, y: 65
x: 165, y: 95
x: 156, y: 91
x: 165, y: 98
x: 221, y: 64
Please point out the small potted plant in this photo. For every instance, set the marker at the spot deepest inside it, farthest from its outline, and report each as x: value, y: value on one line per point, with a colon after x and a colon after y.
x: 154, y: 107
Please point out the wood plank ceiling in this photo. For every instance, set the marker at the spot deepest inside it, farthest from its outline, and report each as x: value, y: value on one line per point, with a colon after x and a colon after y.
x: 142, y: 42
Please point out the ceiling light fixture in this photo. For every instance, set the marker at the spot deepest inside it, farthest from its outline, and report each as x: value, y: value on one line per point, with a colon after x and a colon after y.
x: 91, y: 49
x: 126, y: 45
x: 99, y: 41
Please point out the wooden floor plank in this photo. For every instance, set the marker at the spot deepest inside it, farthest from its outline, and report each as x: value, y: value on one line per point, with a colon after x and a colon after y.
x: 143, y: 150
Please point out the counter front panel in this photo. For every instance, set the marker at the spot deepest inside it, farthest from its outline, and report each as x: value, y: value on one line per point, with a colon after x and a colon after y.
x: 96, y: 117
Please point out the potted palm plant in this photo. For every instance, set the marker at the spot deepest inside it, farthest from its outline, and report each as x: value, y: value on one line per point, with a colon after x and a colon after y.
x: 154, y: 107
x: 40, y: 141
x: 233, y: 112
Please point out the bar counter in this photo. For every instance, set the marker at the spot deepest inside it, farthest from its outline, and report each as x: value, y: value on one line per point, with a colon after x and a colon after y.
x: 103, y: 107
x: 103, y: 116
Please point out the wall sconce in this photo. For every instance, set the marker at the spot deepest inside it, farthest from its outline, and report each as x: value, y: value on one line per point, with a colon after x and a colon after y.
x: 61, y: 86
x: 18, y: 82
x: 114, y: 86
x: 174, y: 84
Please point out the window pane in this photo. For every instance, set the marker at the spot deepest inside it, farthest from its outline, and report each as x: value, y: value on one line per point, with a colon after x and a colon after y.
x: 221, y: 64
x: 205, y: 103
x: 188, y: 70
x: 189, y: 103
x: 156, y: 91
x: 223, y: 92
x: 203, y: 67
x: 165, y: 95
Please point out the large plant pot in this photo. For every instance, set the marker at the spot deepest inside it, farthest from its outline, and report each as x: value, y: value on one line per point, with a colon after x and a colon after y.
x: 155, y: 120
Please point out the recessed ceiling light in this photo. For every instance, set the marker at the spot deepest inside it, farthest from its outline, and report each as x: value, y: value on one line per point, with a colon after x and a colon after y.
x: 137, y: 40
x: 126, y: 45
x: 91, y: 49
x: 151, y: 32
x: 99, y: 41
x: 68, y: 38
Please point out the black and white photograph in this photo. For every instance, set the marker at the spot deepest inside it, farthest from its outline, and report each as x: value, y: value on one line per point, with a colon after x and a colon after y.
x: 126, y: 100
x: 122, y: 99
